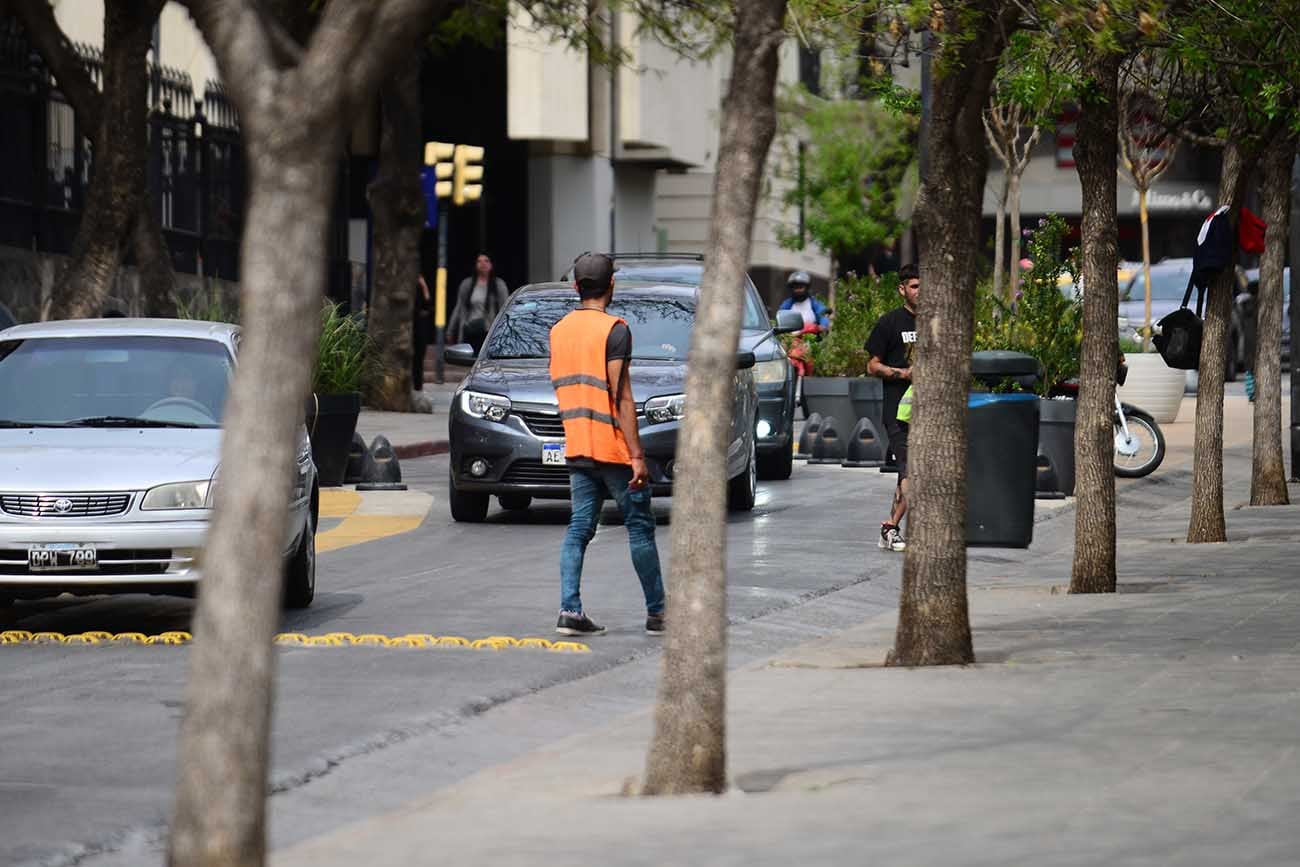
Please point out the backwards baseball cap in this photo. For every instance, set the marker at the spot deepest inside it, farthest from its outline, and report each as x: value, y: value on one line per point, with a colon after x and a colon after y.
x: 593, y: 271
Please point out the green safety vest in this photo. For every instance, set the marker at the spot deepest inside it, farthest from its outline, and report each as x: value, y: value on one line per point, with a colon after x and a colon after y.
x: 905, y: 406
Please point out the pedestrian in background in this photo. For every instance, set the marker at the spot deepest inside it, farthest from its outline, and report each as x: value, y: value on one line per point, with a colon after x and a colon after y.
x: 421, y: 333
x: 590, y: 353
x: 891, y: 346
x: 478, y: 300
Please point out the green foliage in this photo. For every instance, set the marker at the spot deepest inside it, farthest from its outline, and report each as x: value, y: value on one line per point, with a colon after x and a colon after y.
x: 208, y: 304
x: 1042, y: 321
x: 1128, y: 345
x: 345, y: 357
x: 859, y: 303
x: 857, y: 155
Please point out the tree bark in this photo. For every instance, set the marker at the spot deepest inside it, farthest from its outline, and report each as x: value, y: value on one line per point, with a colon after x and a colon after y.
x: 1013, y: 209
x: 1206, y: 524
x: 84, y: 282
x: 999, y: 236
x: 220, y: 808
x: 117, y: 181
x: 933, y: 619
x: 397, y: 204
x: 688, y: 751
x: 1268, y: 471
x: 1095, y: 154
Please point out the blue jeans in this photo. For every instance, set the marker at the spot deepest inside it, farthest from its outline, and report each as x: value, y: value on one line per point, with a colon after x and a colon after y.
x: 589, y: 487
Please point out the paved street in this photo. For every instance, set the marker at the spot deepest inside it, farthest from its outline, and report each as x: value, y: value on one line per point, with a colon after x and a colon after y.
x: 361, y: 732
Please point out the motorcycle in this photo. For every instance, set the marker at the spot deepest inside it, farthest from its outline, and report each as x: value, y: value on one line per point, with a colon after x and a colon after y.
x: 1139, y: 442
x: 800, y: 355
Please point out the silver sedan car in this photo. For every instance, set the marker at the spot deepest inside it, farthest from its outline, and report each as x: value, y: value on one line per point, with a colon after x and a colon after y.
x: 110, y: 438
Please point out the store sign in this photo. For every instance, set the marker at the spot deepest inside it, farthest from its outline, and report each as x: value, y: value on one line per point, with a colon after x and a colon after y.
x: 1187, y: 200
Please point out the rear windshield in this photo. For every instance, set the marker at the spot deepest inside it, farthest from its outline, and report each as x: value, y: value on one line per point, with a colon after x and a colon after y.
x: 1165, y: 285
x: 660, y: 325
x: 56, y: 380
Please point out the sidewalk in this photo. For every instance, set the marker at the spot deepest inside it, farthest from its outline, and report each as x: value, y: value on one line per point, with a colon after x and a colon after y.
x: 413, y: 434
x: 1154, y: 726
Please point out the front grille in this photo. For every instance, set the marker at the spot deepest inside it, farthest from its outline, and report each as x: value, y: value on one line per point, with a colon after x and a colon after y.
x: 543, y: 424
x: 64, y: 505
x: 536, y: 473
x: 114, y: 561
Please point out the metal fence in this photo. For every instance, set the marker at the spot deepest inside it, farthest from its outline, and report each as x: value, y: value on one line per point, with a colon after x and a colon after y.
x: 196, y: 168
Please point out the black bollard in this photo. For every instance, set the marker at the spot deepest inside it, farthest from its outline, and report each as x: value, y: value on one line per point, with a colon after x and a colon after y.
x: 356, y: 460
x: 1048, y: 486
x: 810, y: 428
x: 864, y: 448
x: 828, y: 447
x: 380, y: 471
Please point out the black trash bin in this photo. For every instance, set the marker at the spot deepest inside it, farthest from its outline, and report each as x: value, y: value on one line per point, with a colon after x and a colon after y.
x: 1002, y: 452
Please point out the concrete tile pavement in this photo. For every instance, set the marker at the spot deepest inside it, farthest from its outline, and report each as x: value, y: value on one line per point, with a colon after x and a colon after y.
x: 1153, y: 726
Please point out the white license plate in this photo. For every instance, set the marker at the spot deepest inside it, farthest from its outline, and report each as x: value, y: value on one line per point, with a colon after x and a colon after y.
x: 553, y: 454
x: 61, y: 557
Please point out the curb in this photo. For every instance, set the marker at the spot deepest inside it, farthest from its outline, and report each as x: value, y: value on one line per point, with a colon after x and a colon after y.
x: 421, y: 449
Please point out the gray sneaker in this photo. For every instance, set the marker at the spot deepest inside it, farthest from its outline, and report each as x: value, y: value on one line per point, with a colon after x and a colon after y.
x: 577, y: 623
x: 891, y: 538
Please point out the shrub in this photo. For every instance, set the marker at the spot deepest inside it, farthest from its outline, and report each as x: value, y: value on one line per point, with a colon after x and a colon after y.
x: 345, y: 359
x: 859, y: 303
x: 1041, y: 321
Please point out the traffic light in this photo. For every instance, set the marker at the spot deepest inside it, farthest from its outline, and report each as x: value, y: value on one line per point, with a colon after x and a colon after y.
x: 438, y: 154
x: 463, y: 187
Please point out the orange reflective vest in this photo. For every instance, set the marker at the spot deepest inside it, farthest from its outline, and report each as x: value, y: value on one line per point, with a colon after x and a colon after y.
x: 581, y: 380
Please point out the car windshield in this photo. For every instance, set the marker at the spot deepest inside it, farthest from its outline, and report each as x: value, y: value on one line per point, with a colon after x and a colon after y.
x: 660, y: 324
x: 690, y: 274
x: 1166, y: 285
x: 114, y: 381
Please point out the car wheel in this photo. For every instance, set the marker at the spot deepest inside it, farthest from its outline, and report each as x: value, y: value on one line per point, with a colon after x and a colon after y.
x: 467, y: 508
x: 743, y: 489
x: 776, y: 465
x: 300, y: 579
x: 515, y: 502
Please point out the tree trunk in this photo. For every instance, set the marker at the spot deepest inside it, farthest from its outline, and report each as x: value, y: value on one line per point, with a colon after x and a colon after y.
x: 117, y: 180
x: 397, y: 204
x: 224, y: 740
x: 688, y: 751
x: 154, y: 262
x: 1206, y: 524
x: 1000, y: 236
x: 1146, y: 268
x: 933, y: 619
x: 1013, y: 208
x: 1095, y: 153
x: 1268, y: 472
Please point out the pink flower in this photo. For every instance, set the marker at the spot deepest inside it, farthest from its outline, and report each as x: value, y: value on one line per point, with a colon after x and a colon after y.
x: 1026, y: 265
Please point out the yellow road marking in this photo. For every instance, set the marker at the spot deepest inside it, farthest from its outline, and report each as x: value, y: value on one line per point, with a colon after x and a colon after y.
x: 365, y: 528
x: 332, y: 639
x: 338, y: 502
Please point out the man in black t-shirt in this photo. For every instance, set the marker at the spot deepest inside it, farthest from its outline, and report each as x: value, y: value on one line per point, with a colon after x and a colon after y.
x: 891, y: 346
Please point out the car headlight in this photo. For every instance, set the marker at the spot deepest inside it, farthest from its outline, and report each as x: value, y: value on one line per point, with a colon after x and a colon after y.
x: 492, y: 407
x: 180, y: 496
x: 670, y: 407
x: 775, y: 370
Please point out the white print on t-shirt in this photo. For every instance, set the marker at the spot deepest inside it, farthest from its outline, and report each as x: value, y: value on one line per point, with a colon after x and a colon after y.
x: 908, y: 336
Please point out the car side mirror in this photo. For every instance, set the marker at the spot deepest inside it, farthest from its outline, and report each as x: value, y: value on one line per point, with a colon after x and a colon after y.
x: 460, y: 354
x: 788, y: 322
x: 746, y: 360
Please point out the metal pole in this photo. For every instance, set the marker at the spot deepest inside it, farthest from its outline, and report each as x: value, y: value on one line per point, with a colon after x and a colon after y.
x: 1295, y: 323
x: 440, y: 295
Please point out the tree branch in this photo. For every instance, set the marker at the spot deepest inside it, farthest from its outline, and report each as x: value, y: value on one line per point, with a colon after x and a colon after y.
x: 37, y: 17
x: 236, y: 31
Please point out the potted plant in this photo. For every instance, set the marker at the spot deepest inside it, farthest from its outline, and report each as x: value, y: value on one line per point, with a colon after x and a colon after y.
x: 344, y: 359
x: 1151, y: 384
x: 1042, y: 321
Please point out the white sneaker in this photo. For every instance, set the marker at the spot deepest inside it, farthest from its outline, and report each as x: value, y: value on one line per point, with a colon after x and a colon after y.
x: 891, y: 538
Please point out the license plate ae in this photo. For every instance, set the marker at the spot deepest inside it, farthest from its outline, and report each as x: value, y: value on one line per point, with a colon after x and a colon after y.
x: 61, y: 558
x: 553, y: 454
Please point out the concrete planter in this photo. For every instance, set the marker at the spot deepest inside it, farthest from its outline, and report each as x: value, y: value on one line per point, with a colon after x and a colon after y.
x: 1153, y: 386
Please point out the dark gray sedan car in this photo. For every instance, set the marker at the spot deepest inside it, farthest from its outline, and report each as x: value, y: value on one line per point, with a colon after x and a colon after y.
x: 504, y: 426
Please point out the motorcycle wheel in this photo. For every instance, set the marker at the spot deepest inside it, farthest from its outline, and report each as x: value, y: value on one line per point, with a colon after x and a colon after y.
x: 1149, y: 449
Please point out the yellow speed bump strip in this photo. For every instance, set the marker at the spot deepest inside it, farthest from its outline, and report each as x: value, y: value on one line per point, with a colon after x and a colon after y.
x: 333, y: 639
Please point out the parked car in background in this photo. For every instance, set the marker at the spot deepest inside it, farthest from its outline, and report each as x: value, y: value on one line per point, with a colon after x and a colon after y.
x: 1246, y: 313
x: 506, y: 435
x: 774, y: 376
x: 110, y: 437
